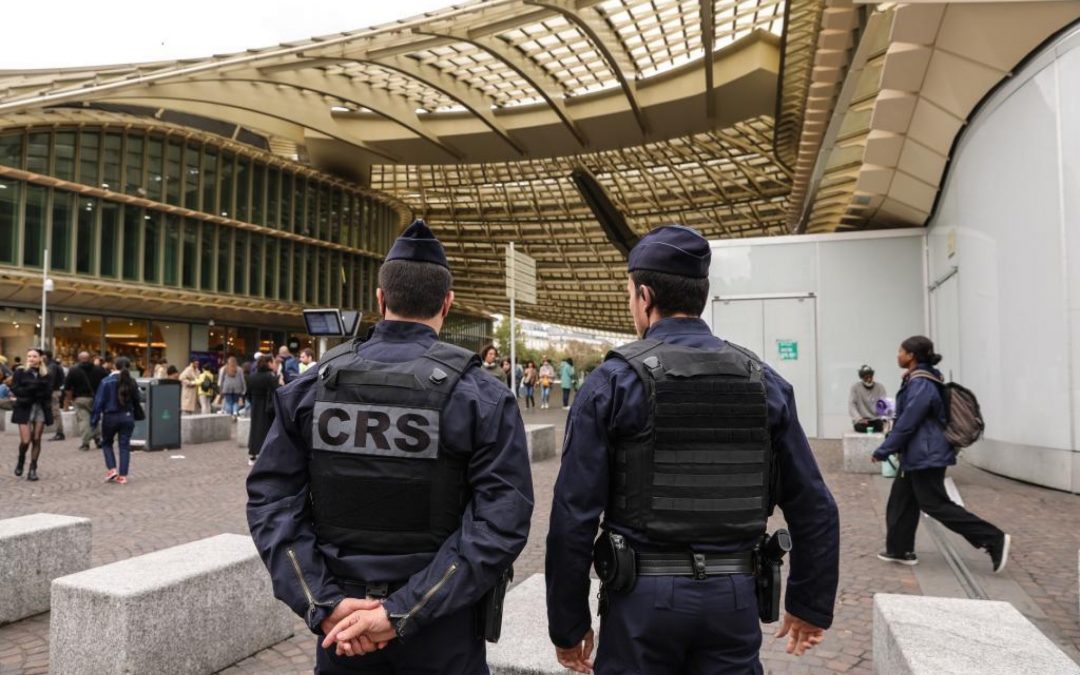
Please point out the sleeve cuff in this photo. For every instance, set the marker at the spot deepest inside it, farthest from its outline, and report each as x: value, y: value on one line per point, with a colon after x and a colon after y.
x: 819, y: 619
x: 579, y: 630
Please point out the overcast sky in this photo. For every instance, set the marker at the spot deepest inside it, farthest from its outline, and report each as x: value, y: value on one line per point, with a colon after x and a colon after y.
x: 69, y: 33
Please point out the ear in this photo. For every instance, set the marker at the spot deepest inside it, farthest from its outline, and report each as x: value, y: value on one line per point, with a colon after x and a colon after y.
x: 447, y: 303
x: 646, y: 295
x: 380, y: 301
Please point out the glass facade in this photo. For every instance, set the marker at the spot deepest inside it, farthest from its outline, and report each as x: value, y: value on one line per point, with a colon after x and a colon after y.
x: 144, y: 244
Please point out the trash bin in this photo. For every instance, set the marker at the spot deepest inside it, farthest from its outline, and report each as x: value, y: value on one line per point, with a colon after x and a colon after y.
x: 161, y: 401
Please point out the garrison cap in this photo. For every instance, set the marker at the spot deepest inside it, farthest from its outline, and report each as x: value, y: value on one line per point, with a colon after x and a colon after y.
x: 673, y: 249
x: 418, y: 244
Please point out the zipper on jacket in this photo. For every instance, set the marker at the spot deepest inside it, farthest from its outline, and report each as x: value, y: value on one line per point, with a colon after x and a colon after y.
x: 312, y: 602
x: 404, y: 618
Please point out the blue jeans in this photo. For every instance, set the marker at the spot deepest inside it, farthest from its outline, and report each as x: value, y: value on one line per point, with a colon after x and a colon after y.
x: 232, y: 403
x: 545, y: 394
x: 117, y: 425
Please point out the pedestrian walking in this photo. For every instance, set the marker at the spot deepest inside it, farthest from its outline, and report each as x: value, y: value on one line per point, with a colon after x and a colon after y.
x: 566, y: 380
x: 189, y: 397
x: 56, y: 381
x: 80, y: 387
x: 918, y: 438
x: 393, y: 491
x: 528, y: 379
x: 233, y: 386
x: 260, y: 388
x: 32, y: 386
x: 547, y: 378
x: 114, y: 406
x: 683, y: 443
x: 206, y: 385
x: 290, y: 367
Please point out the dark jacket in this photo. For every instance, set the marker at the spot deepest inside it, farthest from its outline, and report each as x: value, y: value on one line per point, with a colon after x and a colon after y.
x: 84, y: 379
x: 56, y: 376
x: 919, y: 433
x: 107, y: 400
x: 29, y: 388
x: 260, y: 388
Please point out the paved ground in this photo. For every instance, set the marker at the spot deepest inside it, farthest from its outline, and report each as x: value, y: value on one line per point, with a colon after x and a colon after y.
x: 174, y: 500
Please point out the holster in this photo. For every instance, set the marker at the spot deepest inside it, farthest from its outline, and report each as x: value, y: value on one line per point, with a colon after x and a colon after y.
x: 768, y: 560
x: 615, y: 563
x: 489, y: 613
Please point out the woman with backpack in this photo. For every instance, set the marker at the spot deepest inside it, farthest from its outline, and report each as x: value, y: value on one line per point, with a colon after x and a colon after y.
x: 114, y: 406
x: 918, y: 437
x: 206, y: 385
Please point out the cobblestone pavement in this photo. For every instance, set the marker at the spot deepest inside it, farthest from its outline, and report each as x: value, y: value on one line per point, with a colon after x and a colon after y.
x: 172, y: 500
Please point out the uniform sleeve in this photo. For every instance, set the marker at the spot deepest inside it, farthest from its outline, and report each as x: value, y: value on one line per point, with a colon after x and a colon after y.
x: 916, y: 408
x: 279, y: 517
x: 494, y: 526
x: 809, y: 510
x: 581, y: 493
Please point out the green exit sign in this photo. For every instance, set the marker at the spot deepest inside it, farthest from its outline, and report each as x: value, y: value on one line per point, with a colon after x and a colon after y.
x: 788, y: 349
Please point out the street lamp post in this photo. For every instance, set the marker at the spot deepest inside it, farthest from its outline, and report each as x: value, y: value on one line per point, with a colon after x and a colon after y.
x: 46, y: 287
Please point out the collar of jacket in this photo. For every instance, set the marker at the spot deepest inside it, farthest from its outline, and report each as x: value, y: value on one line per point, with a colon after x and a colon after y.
x: 677, y: 326
x: 403, y: 331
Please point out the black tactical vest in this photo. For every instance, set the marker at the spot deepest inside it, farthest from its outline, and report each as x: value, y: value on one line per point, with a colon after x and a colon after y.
x: 382, y: 481
x: 701, y: 470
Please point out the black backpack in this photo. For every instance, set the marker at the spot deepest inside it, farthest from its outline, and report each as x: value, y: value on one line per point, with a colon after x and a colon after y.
x: 965, y: 425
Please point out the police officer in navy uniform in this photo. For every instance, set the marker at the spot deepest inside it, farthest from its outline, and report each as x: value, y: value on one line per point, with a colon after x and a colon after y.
x: 683, y: 442
x: 393, y: 491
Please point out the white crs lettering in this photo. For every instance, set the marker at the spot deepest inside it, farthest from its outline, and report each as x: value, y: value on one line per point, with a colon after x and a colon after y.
x: 363, y: 429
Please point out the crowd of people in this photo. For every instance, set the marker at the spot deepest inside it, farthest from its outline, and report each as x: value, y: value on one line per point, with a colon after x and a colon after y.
x: 105, y: 398
x: 527, y: 379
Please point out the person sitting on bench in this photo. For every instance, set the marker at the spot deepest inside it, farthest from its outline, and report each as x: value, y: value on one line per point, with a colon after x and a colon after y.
x: 862, y: 402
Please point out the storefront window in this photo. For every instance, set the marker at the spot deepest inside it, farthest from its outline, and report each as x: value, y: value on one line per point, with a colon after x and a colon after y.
x: 18, y: 333
x: 130, y: 338
x: 74, y: 333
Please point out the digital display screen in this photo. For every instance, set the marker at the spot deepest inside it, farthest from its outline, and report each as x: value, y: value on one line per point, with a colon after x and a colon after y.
x: 323, y: 322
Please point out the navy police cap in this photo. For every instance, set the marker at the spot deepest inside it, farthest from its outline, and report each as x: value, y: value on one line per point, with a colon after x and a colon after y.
x: 673, y: 249
x: 418, y: 244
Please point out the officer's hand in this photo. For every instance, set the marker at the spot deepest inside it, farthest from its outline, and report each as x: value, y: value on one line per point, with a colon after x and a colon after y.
x: 361, y: 632
x: 578, y: 657
x: 344, y: 609
x: 874, y: 460
x: 801, y: 635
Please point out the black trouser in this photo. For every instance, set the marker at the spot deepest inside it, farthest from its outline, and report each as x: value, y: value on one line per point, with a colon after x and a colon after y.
x: 924, y: 490
x: 876, y: 425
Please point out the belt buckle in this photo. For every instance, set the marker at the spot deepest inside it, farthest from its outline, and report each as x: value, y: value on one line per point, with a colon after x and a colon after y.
x: 700, y: 570
x: 377, y: 591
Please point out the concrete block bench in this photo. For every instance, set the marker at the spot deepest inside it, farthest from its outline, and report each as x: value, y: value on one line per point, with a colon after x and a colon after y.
x: 34, y: 550
x: 524, y: 648
x: 857, y: 451
x: 194, y: 608
x: 196, y: 429
x: 917, y: 635
x: 541, y: 440
x: 243, y: 431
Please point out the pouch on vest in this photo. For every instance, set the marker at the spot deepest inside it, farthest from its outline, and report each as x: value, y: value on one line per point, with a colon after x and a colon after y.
x: 701, y: 469
x: 382, y: 481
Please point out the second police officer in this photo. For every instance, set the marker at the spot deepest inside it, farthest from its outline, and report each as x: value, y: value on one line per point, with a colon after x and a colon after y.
x: 393, y: 491
x: 684, y: 442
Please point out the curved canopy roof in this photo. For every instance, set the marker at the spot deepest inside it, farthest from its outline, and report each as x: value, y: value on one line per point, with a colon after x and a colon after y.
x: 739, y: 117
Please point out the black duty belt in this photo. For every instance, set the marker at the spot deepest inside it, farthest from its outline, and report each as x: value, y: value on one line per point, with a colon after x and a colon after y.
x: 364, y: 589
x: 696, y: 565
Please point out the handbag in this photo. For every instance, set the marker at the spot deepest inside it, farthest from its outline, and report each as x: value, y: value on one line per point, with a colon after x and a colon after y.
x: 137, y: 410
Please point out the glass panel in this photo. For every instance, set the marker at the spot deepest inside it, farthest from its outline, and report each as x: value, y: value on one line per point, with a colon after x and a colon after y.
x: 74, y: 333
x: 243, y: 187
x: 300, y: 260
x: 324, y: 277
x: 224, y: 255
x: 133, y: 167
x: 89, y: 151
x: 11, y: 149
x: 63, y: 210
x: 155, y: 153
x: 335, y: 216
x: 258, y: 190
x: 209, y: 169
x: 129, y: 338
x: 311, y: 287
x: 255, y: 269
x: 284, y: 288
x: 335, y: 279
x: 324, y: 213
x: 173, y: 176
x: 34, y: 225
x: 299, y: 190
x: 272, y: 268
x: 311, y: 207
x: 273, y: 197
x: 64, y: 152
x: 37, y: 153
x: 151, y: 246
x: 191, y: 176
x: 206, y: 257
x: 110, y: 223
x: 286, y: 201
x: 239, y: 266
x: 86, y: 236
x: 172, y: 250
x: 190, y: 260
x: 9, y: 218
x: 113, y: 150
x: 227, y: 162
x: 133, y: 225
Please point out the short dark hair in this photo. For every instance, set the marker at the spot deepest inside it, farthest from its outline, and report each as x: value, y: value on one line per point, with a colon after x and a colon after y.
x: 414, y: 290
x: 673, y: 294
x: 309, y: 351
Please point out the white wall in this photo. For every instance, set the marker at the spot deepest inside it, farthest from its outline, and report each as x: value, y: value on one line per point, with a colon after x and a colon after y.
x: 869, y: 290
x: 1012, y: 207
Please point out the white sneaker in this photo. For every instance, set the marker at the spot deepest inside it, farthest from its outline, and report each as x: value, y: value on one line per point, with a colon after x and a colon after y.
x: 251, y: 461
